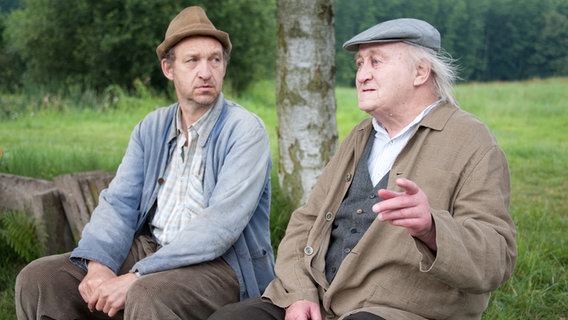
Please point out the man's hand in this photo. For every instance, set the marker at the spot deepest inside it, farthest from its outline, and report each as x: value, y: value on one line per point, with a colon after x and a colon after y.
x: 303, y: 310
x: 112, y: 294
x: 409, y: 209
x: 102, y: 290
x: 97, y: 274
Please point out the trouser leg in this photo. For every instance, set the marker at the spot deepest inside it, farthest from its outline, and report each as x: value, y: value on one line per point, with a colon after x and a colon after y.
x: 192, y: 292
x: 47, y: 288
x: 363, y: 316
x: 252, y: 309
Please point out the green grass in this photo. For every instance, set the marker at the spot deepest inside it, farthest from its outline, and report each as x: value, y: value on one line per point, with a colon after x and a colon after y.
x: 529, y: 119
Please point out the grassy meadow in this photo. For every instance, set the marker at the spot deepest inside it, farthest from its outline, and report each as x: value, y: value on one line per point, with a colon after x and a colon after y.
x: 48, y: 136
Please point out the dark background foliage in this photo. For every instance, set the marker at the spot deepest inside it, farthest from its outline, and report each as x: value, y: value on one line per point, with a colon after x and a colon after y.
x: 58, y: 44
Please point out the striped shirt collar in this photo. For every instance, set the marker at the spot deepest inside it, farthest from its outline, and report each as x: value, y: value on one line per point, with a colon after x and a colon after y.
x: 205, y: 124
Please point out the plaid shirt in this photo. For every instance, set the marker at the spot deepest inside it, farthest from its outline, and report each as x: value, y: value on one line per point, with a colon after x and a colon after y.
x: 181, y: 196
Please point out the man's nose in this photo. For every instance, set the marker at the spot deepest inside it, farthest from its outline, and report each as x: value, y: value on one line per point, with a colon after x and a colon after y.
x: 363, y: 73
x: 204, y: 70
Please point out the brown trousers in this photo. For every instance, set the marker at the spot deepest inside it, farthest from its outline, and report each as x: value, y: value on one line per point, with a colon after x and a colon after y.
x: 47, y: 288
x: 257, y: 309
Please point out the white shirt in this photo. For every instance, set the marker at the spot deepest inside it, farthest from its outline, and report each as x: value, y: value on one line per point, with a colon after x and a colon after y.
x: 386, y: 149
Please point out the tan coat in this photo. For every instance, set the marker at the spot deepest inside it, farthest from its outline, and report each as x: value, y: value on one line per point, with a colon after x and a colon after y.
x: 455, y: 159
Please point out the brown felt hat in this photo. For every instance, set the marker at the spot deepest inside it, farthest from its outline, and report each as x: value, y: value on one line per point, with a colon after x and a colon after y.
x: 191, y: 21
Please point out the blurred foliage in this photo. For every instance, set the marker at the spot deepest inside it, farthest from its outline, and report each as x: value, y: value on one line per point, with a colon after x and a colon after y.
x: 18, y: 231
x: 96, y: 44
x: 491, y: 39
x: 55, y: 44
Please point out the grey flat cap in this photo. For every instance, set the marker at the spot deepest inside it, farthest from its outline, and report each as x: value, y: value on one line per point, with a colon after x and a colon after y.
x: 412, y: 31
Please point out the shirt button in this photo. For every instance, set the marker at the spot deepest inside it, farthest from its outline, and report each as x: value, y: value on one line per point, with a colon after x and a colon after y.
x: 347, y: 250
x: 329, y: 216
x: 372, y: 196
x: 308, y: 250
x: 161, y: 181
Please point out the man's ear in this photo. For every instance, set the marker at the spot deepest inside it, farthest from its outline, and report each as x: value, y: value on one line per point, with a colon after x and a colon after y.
x: 167, y: 69
x: 423, y: 71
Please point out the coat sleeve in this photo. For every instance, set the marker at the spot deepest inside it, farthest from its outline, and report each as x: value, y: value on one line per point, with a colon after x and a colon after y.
x: 108, y: 235
x: 466, y: 177
x: 475, y: 235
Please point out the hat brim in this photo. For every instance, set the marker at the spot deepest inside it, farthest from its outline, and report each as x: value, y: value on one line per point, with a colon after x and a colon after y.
x: 191, y: 31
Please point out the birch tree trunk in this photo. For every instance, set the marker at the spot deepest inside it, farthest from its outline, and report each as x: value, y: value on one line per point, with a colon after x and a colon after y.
x: 305, y: 81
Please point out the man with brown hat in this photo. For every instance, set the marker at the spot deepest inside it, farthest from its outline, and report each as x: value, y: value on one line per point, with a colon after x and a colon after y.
x: 183, y: 228
x: 409, y: 220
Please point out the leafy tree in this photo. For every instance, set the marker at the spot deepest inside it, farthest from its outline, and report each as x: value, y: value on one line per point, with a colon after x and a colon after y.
x: 11, y: 66
x: 98, y: 43
x: 106, y: 42
x: 550, y: 57
x: 251, y: 25
x: 8, y: 5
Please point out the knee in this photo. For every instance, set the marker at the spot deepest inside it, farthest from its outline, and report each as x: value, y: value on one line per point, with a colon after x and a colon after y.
x: 142, y: 293
x: 26, y: 278
x: 225, y: 313
x: 48, y: 272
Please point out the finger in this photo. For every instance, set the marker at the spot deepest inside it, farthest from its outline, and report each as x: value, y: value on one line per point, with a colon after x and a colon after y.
x: 400, y: 201
x: 409, y: 186
x: 100, y: 306
x: 112, y: 312
x: 83, y: 292
x: 91, y: 304
x: 388, y: 194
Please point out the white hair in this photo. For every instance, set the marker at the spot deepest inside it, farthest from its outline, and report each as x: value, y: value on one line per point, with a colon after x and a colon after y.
x: 443, y: 68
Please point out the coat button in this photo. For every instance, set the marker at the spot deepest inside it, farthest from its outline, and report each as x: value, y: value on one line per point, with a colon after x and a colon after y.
x: 348, y: 177
x: 328, y: 216
x: 308, y: 250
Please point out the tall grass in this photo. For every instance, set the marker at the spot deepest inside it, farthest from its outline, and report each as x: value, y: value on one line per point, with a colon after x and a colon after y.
x: 529, y: 119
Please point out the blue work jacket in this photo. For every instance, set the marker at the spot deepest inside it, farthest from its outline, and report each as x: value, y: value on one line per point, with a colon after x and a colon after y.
x: 235, y: 221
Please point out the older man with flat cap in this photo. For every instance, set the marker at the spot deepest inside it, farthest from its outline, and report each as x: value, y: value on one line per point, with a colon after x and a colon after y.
x: 183, y: 228
x: 409, y: 220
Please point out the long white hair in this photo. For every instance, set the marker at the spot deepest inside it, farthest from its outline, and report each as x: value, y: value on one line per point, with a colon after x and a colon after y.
x: 444, y: 70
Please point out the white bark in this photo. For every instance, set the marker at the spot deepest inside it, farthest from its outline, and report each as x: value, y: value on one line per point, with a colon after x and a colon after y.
x: 307, y: 132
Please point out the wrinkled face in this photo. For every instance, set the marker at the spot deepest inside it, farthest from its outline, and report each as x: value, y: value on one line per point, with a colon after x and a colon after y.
x: 197, y: 70
x: 385, y: 77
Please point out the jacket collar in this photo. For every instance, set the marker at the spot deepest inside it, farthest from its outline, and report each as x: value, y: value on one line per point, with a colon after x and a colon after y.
x: 216, y: 111
x: 435, y: 119
x: 439, y: 116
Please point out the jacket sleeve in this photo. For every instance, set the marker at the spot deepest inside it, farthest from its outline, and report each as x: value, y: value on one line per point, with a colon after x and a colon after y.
x: 465, y: 175
x: 476, y: 235
x: 108, y: 235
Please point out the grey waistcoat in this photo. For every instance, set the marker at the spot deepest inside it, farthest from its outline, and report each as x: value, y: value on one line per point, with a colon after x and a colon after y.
x: 354, y: 215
